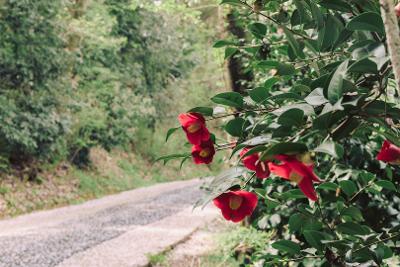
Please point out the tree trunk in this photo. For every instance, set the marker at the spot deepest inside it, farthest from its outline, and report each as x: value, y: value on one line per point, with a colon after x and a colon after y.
x: 239, y: 77
x: 392, y: 35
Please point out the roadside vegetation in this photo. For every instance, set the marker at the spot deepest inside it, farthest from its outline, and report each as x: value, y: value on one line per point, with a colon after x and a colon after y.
x: 313, y: 120
x: 88, y: 90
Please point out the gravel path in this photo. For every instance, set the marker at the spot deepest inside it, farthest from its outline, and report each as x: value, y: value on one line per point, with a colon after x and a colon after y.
x: 44, y: 244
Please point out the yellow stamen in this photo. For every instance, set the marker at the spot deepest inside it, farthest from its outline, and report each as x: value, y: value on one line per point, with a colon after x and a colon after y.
x: 204, y: 153
x: 235, y: 202
x: 305, y: 158
x: 295, y: 177
x: 395, y: 162
x: 194, y: 127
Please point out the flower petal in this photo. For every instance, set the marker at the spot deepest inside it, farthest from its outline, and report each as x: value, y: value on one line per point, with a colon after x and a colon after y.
x: 246, y: 208
x: 307, y: 187
x: 389, y: 152
x: 282, y: 170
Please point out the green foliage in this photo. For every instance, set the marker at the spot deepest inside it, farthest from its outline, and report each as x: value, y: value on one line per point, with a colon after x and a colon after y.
x: 80, y: 74
x: 32, y: 63
x: 321, y: 93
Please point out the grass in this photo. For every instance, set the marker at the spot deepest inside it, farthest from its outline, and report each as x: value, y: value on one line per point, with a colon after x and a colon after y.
x: 158, y: 259
x: 234, y: 245
x: 110, y: 173
x: 215, y: 260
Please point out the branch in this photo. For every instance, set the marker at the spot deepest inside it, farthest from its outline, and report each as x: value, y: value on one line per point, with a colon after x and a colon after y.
x: 392, y: 35
x: 371, y: 183
x: 274, y: 20
x: 377, y: 242
x: 295, y: 259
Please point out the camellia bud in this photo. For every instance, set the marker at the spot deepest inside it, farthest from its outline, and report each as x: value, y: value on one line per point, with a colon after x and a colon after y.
x: 397, y: 9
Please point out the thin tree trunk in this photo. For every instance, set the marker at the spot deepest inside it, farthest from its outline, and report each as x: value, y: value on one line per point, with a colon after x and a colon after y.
x: 239, y: 77
x: 392, y: 35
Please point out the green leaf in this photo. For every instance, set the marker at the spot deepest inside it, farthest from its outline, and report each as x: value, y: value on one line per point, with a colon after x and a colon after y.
x: 328, y: 34
x: 285, y: 96
x: 271, y: 203
x: 222, y: 43
x: 314, y: 238
x: 270, y: 82
x: 285, y: 148
x: 268, y: 64
x: 171, y: 157
x: 236, y: 149
x: 328, y: 186
x: 383, y: 252
x: 316, y: 14
x: 285, y: 69
x: 308, y: 109
x: 206, y: 111
x: 364, y: 65
x: 362, y: 255
x: 296, y: 222
x: 293, y: 43
x: 300, y: 7
x: 170, y: 132
x: 258, y: 140
x: 221, y: 183
x: 338, y: 5
x: 293, y: 194
x: 287, y: 246
x: 386, y: 185
x: 331, y: 148
x: 183, y: 161
x: 232, y: 2
x: 346, y: 128
x: 259, y: 94
x: 258, y: 29
x: 313, y: 224
x: 368, y: 21
x: 229, y: 51
x: 353, y: 212
x: 335, y: 88
x: 316, y: 97
x: 301, y: 88
x: 351, y: 228
x: 348, y: 187
x: 377, y: 107
x: 232, y: 99
x: 292, y: 117
x: 235, y: 127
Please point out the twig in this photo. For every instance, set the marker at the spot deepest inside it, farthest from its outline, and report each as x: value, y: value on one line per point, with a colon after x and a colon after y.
x: 361, y: 190
x: 323, y: 217
x: 273, y: 20
x: 296, y: 259
x: 377, y: 242
x: 239, y: 112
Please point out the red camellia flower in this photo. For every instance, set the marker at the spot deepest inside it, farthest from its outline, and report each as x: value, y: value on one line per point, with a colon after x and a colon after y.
x: 291, y: 168
x: 253, y: 163
x: 194, y: 126
x: 389, y: 153
x: 236, y: 205
x: 204, y: 152
x: 397, y: 9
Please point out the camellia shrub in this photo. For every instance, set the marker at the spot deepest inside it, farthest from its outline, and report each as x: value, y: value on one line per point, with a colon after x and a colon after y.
x: 316, y: 135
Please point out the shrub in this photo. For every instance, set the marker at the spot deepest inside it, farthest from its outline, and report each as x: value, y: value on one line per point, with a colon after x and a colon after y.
x: 321, y: 122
